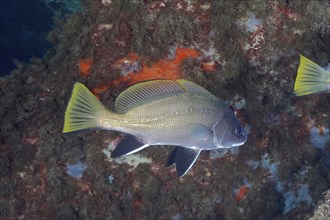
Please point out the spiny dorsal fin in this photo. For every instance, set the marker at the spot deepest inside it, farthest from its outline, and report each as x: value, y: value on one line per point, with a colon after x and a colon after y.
x: 143, y: 92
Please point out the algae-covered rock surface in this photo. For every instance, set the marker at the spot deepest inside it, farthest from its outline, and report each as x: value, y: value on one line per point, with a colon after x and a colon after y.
x: 244, y: 52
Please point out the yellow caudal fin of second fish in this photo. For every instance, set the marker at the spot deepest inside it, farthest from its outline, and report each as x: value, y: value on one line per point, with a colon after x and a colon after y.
x: 311, y: 78
x: 84, y: 110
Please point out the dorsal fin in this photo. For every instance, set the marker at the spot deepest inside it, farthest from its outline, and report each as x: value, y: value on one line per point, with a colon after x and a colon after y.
x: 143, y: 92
x: 192, y: 87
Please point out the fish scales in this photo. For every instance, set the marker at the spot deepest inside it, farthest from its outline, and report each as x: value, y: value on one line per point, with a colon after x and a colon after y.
x: 168, y: 120
x: 160, y: 112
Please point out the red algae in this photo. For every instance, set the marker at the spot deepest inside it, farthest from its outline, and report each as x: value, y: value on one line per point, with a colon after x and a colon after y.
x: 210, y: 67
x: 84, y: 66
x: 288, y: 12
x: 162, y: 69
x: 241, y: 193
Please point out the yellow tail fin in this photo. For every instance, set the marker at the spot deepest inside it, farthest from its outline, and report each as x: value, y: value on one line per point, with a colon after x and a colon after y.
x: 311, y: 78
x: 83, y: 110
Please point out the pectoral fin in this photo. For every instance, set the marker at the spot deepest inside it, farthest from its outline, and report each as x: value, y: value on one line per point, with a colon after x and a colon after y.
x: 128, y: 145
x: 184, y: 159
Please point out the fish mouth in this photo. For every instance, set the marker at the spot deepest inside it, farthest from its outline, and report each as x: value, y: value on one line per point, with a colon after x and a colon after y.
x: 240, y: 143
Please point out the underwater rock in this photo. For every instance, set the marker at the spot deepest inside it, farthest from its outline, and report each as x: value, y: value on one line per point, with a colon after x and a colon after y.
x: 244, y: 52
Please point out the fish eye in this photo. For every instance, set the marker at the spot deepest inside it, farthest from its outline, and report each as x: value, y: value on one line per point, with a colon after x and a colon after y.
x: 238, y: 131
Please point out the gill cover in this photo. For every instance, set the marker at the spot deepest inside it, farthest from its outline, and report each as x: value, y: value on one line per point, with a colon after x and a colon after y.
x: 228, y: 132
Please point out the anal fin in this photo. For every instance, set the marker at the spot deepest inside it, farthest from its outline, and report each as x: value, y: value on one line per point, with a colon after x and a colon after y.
x: 128, y: 145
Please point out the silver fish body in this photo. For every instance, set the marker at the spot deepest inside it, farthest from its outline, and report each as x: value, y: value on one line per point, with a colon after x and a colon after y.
x: 161, y: 112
